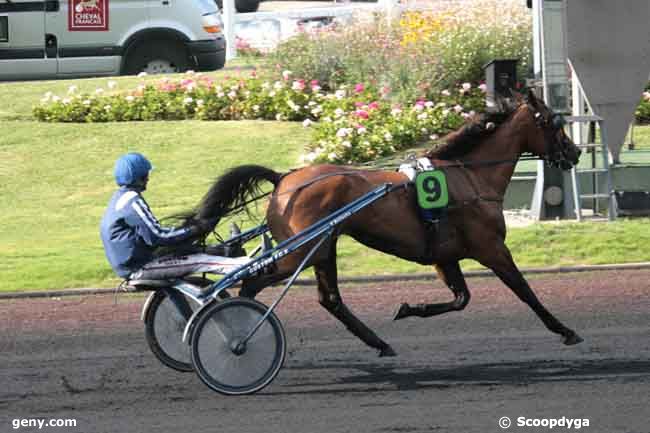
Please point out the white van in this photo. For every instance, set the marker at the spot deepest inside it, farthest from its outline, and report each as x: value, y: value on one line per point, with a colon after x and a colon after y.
x: 76, y: 38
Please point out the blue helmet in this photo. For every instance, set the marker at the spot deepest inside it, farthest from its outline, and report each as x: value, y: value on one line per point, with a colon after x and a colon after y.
x: 131, y: 168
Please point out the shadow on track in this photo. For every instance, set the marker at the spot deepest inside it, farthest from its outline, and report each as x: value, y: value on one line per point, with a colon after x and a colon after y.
x: 376, y: 377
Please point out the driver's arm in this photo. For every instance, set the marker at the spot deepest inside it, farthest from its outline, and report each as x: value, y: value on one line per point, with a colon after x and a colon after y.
x: 150, y: 230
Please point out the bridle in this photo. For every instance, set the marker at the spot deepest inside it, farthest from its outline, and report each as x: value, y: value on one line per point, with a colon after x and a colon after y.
x: 555, y: 154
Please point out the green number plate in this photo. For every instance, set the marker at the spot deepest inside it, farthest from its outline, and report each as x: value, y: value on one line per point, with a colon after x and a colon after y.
x: 431, y: 187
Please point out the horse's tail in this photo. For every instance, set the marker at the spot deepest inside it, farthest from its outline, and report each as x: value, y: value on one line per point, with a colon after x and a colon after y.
x: 232, y: 191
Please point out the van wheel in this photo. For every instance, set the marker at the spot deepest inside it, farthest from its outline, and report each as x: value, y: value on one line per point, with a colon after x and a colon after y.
x: 243, y: 6
x: 159, y: 57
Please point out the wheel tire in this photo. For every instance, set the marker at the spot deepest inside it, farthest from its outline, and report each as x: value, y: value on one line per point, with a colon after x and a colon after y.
x: 218, y: 366
x: 158, y: 57
x: 155, y: 324
x: 243, y: 6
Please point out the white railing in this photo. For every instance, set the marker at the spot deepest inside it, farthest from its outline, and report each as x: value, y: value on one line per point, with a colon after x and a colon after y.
x: 231, y: 18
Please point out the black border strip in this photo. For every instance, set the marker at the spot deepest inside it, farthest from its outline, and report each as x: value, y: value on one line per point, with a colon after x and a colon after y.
x: 91, y: 51
x: 22, y: 7
x: 22, y: 53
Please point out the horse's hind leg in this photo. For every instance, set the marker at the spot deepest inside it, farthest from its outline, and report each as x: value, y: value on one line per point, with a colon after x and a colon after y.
x: 330, y: 298
x: 451, y: 274
x: 505, y: 268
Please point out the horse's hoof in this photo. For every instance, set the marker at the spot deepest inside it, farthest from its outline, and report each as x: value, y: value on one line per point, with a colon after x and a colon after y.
x: 387, y: 351
x: 402, y: 312
x: 572, y: 339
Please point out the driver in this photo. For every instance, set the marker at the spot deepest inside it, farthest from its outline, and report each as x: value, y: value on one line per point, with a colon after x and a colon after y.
x: 130, y: 232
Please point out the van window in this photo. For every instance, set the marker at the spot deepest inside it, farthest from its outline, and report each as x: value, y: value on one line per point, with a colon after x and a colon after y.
x: 4, y: 29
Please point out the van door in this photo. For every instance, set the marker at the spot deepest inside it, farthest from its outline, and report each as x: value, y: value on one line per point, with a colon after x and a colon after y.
x: 88, y: 34
x: 23, y: 40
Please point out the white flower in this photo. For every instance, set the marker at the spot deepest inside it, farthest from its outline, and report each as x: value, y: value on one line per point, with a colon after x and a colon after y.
x: 388, y: 136
x: 72, y: 89
x: 465, y: 115
x: 458, y: 108
x: 278, y: 85
x: 129, y: 98
x: 466, y: 86
x: 297, y: 86
x: 428, y: 104
x: 306, y: 123
x: 220, y: 94
x: 107, y: 108
x: 445, y: 112
x: 342, y: 132
x: 189, y: 72
x: 256, y: 108
x: 483, y: 87
x: 361, y: 130
x: 340, y: 94
x: 272, y: 93
x: 339, y: 112
x: 422, y: 116
x: 65, y: 101
x: 286, y: 74
x: 140, y: 88
x: 99, y: 91
x: 418, y: 107
x: 446, y: 93
x: 311, y: 156
x: 315, y: 88
x: 187, y: 100
x: 278, y: 116
x: 112, y: 84
x: 434, y: 137
x: 86, y: 102
x: 232, y: 94
x: 266, y: 85
x: 47, y: 96
x: 317, y: 110
x: 200, y: 102
x: 346, y: 143
x: 327, y: 119
x: 424, y: 130
x: 55, y: 98
x: 188, y: 88
x: 332, y: 156
x: 142, y: 74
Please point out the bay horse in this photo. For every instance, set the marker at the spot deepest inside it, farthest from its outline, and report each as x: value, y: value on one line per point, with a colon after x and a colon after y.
x: 479, y: 160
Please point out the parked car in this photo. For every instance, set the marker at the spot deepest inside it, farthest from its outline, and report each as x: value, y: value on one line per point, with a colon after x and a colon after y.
x: 76, y: 38
x: 243, y: 6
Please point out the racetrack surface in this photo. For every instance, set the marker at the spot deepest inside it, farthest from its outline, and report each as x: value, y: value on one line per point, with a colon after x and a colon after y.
x: 86, y: 358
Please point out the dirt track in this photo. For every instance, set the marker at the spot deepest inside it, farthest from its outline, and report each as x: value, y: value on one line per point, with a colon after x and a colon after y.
x: 86, y: 358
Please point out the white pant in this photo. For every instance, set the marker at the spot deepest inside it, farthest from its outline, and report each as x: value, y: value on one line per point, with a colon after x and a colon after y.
x: 178, y: 266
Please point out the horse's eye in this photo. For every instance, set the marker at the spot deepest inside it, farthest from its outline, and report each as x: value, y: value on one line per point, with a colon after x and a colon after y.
x: 558, y: 121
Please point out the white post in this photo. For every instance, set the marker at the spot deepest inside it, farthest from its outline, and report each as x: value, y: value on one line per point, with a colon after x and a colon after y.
x: 229, y: 12
x: 390, y: 8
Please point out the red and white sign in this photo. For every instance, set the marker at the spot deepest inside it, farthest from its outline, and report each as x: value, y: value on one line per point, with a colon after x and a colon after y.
x: 87, y: 15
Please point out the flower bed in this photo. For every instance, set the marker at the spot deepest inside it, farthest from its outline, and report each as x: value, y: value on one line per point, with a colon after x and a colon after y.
x: 351, y: 124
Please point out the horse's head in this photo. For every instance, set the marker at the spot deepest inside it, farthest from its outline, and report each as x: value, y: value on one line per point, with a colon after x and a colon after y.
x: 548, y: 138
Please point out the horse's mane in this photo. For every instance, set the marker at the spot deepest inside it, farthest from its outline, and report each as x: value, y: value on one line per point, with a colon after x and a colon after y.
x: 462, y: 141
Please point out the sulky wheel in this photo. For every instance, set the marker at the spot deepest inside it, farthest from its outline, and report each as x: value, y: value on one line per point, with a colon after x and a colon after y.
x: 164, y: 325
x: 219, y: 358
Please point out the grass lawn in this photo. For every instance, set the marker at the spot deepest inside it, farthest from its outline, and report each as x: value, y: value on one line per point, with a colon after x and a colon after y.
x: 57, y: 179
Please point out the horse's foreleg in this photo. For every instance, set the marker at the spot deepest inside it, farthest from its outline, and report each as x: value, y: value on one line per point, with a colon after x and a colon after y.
x: 330, y: 299
x: 451, y: 274
x: 505, y: 268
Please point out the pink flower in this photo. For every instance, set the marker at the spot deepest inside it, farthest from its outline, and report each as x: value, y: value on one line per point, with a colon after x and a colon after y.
x: 358, y: 88
x: 362, y: 114
x: 373, y: 105
x: 314, y: 82
x: 358, y: 104
x: 483, y: 87
x: 253, y: 74
x: 385, y: 90
x: 298, y: 85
